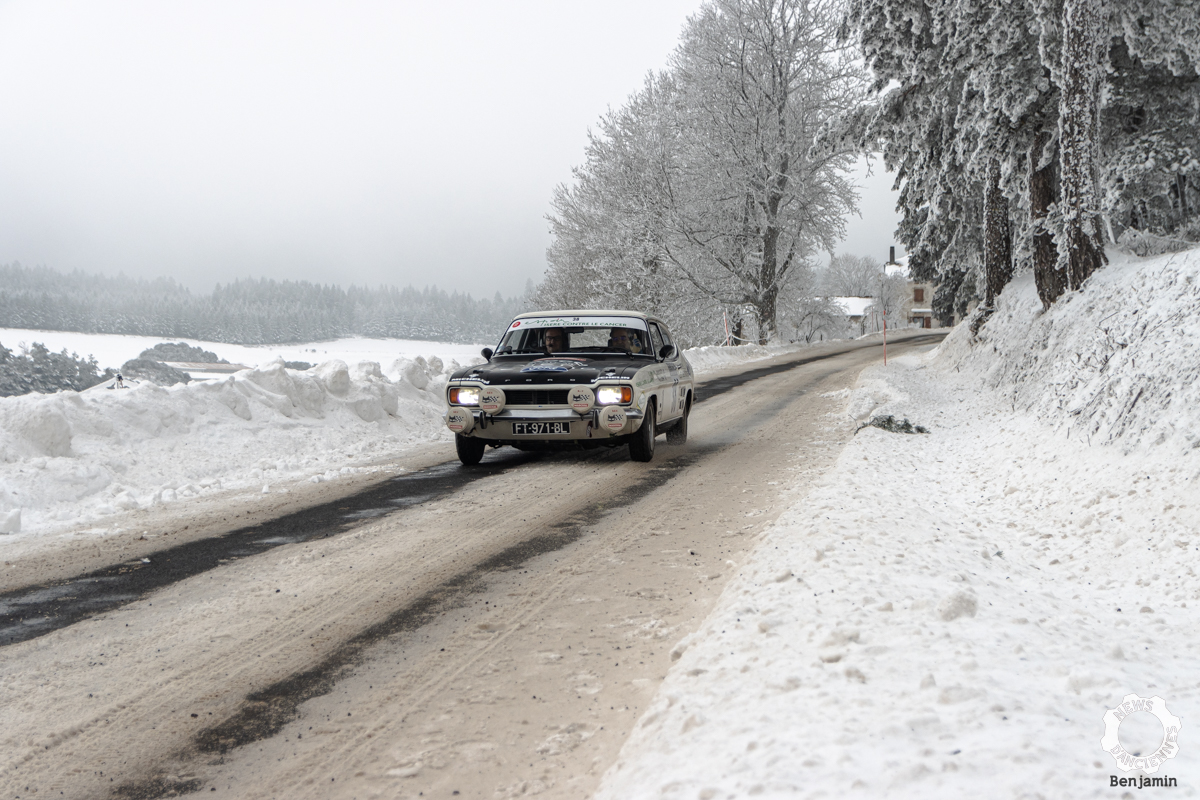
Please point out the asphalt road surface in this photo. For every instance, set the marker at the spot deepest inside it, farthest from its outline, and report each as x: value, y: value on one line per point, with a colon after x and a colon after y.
x: 480, y: 633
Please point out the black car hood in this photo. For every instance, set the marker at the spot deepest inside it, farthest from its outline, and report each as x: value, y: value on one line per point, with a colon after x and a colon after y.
x: 568, y: 369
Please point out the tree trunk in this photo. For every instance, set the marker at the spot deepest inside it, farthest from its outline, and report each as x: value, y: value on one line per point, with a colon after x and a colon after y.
x: 768, y: 274
x: 764, y: 311
x: 1181, y: 190
x: 1049, y: 278
x: 997, y: 248
x: 1084, y: 48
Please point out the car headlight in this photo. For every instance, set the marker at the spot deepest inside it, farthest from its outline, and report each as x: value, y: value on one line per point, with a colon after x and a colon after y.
x: 610, y: 395
x: 464, y: 396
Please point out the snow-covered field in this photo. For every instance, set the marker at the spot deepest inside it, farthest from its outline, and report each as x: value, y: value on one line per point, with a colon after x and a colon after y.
x: 81, y: 458
x: 111, y: 351
x: 951, y: 614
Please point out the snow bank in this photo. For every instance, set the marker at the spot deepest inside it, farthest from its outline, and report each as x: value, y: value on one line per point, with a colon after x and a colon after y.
x: 950, y: 615
x: 1118, y: 362
x: 71, y: 457
x: 713, y: 358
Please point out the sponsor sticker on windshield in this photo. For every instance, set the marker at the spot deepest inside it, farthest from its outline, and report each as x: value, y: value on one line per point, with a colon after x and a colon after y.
x: 579, y: 322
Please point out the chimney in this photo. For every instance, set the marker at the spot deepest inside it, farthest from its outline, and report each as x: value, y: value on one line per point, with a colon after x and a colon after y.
x: 892, y: 254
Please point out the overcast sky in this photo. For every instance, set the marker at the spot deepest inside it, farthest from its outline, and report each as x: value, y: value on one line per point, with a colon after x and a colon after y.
x: 348, y: 142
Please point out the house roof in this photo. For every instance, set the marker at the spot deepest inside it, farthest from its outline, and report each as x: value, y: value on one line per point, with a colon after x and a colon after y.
x: 205, y: 369
x: 854, y: 306
x: 899, y: 267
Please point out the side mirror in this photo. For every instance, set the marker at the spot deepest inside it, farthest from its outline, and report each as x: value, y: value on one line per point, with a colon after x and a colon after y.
x: 668, y: 351
x: 486, y: 353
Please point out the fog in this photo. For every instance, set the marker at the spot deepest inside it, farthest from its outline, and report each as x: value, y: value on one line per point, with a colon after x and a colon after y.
x: 356, y: 142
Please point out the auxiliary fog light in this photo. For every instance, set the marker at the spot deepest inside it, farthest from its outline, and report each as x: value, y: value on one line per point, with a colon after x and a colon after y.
x: 460, y: 420
x: 464, y: 396
x: 609, y: 395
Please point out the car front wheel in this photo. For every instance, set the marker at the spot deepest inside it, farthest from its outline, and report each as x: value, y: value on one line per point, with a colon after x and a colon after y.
x: 470, y: 450
x: 641, y: 448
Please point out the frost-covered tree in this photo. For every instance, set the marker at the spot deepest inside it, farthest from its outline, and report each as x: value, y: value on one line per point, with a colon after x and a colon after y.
x: 935, y: 121
x: 962, y: 87
x: 37, y: 369
x: 608, y: 226
x: 759, y: 78
x: 813, y: 318
x: 850, y: 275
x: 1151, y: 128
x: 246, y: 311
x: 706, y: 183
x: 890, y: 297
x: 945, y: 297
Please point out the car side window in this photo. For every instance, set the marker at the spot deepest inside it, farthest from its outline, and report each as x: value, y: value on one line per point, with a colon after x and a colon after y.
x: 655, y: 339
x: 666, y: 335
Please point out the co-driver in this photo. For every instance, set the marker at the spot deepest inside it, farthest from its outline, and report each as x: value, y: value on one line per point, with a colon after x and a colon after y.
x: 625, y: 339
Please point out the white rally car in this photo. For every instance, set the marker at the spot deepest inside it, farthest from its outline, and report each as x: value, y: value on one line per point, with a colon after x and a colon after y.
x: 573, y: 379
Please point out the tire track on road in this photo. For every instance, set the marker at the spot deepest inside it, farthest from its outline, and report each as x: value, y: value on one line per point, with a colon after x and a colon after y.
x: 265, y: 712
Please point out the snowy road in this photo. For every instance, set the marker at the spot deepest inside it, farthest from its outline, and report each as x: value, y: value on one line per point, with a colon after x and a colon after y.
x: 494, y: 636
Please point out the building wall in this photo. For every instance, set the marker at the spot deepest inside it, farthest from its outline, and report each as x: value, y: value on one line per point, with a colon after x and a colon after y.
x: 918, y: 309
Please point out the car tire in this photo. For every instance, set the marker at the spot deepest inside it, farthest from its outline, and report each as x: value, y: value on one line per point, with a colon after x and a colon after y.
x: 678, y: 433
x: 470, y: 450
x: 641, y: 447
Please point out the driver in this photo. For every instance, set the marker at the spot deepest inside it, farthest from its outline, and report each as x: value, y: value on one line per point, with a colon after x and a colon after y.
x: 555, y: 340
x: 625, y: 339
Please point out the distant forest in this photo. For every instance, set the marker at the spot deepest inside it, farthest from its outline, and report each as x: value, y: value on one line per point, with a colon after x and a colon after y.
x: 245, y: 312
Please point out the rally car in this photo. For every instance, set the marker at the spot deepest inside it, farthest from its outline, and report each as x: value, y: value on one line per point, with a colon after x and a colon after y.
x: 573, y: 379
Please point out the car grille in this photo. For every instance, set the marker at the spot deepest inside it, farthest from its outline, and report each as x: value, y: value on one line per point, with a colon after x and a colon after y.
x: 535, y: 397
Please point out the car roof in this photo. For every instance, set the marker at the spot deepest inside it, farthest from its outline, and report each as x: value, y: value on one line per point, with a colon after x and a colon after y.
x: 591, y: 312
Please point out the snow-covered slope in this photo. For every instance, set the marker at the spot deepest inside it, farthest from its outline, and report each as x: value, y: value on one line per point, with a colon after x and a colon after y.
x: 950, y: 615
x: 1117, y: 362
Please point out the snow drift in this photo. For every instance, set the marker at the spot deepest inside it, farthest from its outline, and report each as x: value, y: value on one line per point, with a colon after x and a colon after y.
x: 1117, y: 361
x: 73, y: 456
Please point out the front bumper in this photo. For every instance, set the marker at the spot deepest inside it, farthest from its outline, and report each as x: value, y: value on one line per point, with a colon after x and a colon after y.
x: 498, y: 427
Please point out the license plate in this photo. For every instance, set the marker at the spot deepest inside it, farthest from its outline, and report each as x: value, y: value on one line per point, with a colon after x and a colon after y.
x: 540, y: 428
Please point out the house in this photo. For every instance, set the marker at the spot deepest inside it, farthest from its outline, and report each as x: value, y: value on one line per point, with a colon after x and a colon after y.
x: 920, y: 308
x: 857, y: 310
x: 917, y: 308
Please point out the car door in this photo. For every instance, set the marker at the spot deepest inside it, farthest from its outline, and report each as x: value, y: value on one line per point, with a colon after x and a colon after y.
x: 670, y: 397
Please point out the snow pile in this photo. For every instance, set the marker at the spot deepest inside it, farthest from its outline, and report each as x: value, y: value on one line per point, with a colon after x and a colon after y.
x: 713, y: 358
x: 1118, y: 362
x: 75, y: 456
x: 950, y: 615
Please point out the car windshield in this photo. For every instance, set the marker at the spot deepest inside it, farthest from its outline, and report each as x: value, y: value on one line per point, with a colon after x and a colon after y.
x: 583, y: 334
